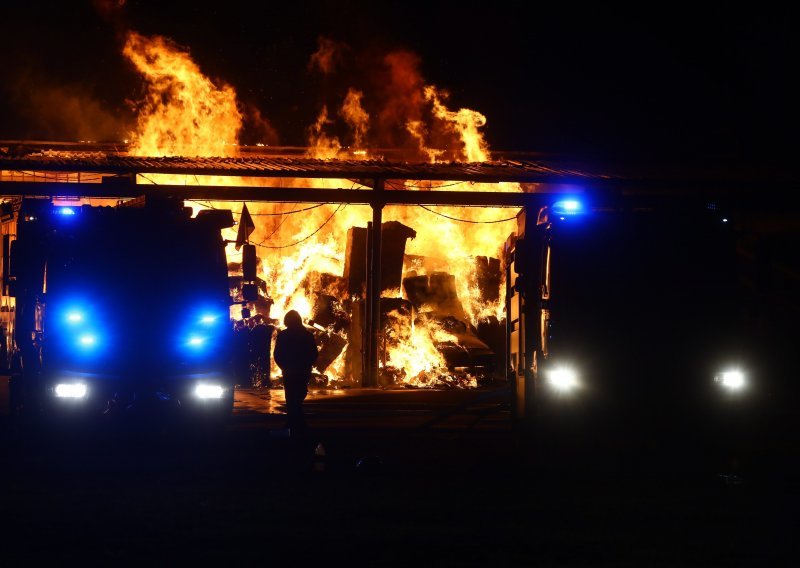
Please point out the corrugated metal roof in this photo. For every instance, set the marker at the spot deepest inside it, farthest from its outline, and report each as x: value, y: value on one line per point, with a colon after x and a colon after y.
x: 522, y: 171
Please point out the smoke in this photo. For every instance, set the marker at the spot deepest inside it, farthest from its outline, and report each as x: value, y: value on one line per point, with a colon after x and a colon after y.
x: 256, y: 128
x: 113, y: 12
x: 63, y: 112
x: 402, y: 99
x: 329, y: 55
x: 388, y: 104
x: 377, y: 95
x: 108, y: 8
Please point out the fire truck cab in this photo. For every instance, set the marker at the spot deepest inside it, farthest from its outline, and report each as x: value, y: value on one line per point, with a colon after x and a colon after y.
x: 627, y: 325
x: 115, y: 310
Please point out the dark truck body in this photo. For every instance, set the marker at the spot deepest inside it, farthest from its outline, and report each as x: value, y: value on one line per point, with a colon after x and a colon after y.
x: 644, y: 303
x: 116, y: 311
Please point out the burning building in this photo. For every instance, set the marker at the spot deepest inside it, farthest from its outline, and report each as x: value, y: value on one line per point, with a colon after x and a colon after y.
x: 385, y: 311
x: 394, y: 257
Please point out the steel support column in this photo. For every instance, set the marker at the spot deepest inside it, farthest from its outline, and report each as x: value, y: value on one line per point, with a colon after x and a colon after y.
x: 374, y: 285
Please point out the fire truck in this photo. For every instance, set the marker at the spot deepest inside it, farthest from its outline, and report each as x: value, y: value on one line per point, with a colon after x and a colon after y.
x: 628, y: 325
x: 111, y: 311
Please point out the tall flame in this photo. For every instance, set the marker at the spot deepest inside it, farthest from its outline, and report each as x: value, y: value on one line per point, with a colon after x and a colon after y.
x: 465, y: 123
x: 185, y: 113
x: 355, y: 116
x: 321, y: 145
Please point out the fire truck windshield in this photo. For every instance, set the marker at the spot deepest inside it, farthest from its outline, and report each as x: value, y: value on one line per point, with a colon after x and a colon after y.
x: 164, y: 268
x: 129, y: 289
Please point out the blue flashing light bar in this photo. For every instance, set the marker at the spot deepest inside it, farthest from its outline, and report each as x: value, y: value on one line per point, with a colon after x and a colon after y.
x: 565, y: 207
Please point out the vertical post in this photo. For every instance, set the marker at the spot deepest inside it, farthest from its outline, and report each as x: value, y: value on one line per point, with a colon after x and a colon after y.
x: 366, y: 317
x: 374, y: 287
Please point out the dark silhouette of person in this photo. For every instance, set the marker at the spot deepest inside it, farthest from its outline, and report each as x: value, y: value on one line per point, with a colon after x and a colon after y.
x: 295, y: 353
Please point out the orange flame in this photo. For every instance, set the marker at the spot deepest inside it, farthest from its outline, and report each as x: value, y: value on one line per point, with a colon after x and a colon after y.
x: 185, y: 113
x: 465, y: 123
x: 355, y: 116
x: 321, y: 145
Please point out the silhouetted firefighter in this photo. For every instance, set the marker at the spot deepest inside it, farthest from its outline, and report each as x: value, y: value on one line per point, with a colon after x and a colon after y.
x: 295, y: 353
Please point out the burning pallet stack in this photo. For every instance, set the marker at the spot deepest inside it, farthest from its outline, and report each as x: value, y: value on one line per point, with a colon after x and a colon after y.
x: 415, y: 291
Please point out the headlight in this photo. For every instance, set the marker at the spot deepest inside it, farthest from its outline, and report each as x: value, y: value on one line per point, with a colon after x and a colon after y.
x: 206, y: 391
x: 562, y: 379
x: 732, y: 380
x: 71, y: 390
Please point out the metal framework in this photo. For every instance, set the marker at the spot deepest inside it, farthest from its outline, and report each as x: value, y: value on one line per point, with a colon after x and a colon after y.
x: 371, y: 181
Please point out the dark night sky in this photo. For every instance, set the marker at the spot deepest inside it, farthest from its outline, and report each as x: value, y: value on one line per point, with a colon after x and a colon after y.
x: 661, y: 84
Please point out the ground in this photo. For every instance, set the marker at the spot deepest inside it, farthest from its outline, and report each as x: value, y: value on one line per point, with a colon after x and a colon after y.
x: 388, y: 477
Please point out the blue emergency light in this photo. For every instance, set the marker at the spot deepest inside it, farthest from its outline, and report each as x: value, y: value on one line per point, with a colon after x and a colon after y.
x: 565, y: 207
x: 75, y: 317
x: 208, y: 319
x: 203, y: 331
x: 88, y: 340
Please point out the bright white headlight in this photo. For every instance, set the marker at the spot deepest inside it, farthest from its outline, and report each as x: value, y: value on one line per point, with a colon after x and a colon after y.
x: 208, y: 391
x: 733, y: 380
x: 562, y: 379
x: 71, y: 390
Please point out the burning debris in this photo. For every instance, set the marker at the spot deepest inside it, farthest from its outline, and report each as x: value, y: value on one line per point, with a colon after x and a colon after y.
x: 424, y: 337
x: 442, y: 292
